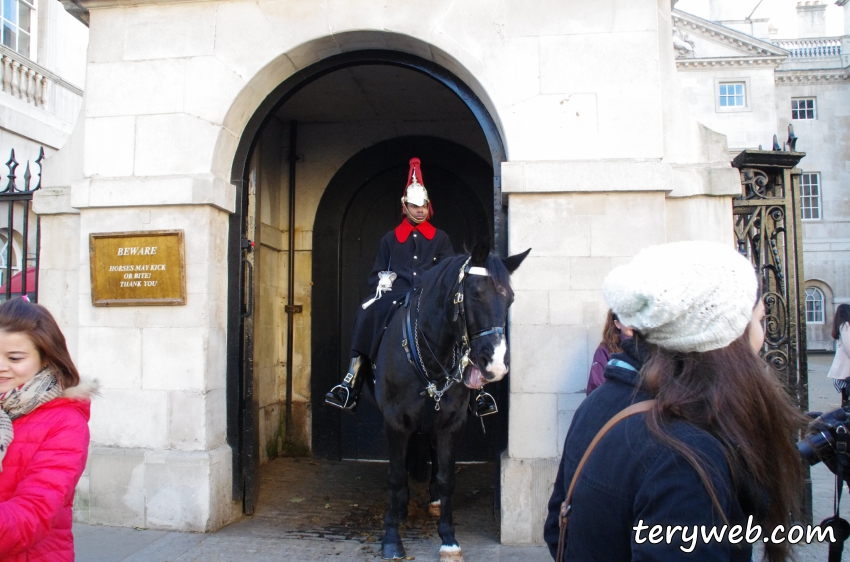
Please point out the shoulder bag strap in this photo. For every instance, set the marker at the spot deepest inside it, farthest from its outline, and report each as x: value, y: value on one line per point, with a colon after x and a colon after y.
x: 636, y: 408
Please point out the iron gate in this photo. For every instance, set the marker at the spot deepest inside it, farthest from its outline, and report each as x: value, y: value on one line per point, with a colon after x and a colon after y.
x: 19, y: 270
x: 768, y: 231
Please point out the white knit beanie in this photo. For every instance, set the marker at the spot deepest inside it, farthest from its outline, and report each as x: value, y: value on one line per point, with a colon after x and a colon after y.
x: 684, y: 296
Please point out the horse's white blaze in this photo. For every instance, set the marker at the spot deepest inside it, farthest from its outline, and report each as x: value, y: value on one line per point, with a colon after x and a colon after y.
x: 497, y: 366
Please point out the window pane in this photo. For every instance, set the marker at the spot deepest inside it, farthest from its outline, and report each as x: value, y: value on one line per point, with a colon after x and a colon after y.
x: 24, y: 14
x: 24, y: 44
x: 722, y: 101
x: 8, y: 35
x: 739, y: 89
x: 9, y: 11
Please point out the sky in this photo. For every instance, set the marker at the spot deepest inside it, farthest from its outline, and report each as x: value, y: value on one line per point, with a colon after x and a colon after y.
x: 782, y: 13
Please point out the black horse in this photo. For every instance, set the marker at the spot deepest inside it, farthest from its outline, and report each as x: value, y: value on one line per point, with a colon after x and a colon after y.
x: 448, y: 337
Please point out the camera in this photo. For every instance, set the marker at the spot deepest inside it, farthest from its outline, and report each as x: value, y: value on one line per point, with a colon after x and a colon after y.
x: 827, y: 437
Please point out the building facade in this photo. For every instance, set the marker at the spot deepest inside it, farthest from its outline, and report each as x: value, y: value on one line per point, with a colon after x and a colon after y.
x: 558, y: 126
x: 749, y: 80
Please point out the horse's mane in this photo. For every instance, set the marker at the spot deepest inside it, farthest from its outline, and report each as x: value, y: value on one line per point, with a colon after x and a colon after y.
x: 446, y: 272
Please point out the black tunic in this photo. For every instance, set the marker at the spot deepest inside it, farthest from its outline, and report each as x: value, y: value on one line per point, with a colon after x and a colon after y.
x: 408, y: 260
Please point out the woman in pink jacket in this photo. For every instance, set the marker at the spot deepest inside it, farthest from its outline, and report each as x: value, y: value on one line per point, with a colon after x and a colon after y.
x: 44, y: 435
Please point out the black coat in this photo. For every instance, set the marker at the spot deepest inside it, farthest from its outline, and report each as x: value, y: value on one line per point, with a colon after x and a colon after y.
x: 409, y: 260
x: 631, y: 476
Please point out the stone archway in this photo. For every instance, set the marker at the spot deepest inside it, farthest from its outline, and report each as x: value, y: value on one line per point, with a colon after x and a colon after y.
x: 243, y: 418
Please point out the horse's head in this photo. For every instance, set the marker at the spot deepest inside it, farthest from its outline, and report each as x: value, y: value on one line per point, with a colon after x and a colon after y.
x: 487, y: 296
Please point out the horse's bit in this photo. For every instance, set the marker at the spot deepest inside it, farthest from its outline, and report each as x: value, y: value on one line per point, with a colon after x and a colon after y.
x: 414, y: 355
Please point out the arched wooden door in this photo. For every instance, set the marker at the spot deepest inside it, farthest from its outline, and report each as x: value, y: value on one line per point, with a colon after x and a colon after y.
x: 362, y: 203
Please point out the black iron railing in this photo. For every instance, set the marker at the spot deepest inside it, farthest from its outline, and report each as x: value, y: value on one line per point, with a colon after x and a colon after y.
x: 19, y: 268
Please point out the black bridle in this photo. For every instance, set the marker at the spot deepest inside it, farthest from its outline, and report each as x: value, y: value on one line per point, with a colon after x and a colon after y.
x: 462, y: 342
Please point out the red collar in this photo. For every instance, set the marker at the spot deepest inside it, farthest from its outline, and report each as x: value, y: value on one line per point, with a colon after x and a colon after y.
x: 403, y: 230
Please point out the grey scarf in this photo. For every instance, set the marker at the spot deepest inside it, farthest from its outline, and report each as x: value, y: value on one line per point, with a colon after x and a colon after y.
x: 40, y: 389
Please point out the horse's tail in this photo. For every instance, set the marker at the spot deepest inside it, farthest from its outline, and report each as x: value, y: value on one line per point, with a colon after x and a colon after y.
x: 418, y: 456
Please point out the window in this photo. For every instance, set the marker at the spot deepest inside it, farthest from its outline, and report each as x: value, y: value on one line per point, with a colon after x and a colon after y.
x: 810, y: 196
x: 17, y: 16
x: 803, y: 108
x: 814, y: 306
x: 733, y: 94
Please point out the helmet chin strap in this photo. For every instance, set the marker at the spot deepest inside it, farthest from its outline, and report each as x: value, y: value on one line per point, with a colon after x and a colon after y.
x: 413, y: 219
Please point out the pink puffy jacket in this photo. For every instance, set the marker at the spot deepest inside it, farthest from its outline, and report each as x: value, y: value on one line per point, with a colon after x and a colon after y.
x: 40, y: 472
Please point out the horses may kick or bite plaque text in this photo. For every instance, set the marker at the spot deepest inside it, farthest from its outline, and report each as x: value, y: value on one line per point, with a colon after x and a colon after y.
x: 137, y: 268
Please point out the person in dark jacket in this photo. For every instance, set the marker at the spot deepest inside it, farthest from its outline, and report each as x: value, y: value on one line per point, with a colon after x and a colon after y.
x: 405, y: 254
x: 613, y: 334
x: 699, y: 457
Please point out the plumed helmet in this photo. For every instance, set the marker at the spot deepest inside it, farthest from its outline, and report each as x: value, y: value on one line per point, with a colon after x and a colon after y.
x: 415, y: 191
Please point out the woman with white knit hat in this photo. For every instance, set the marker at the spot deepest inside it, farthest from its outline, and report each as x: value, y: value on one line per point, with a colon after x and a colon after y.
x: 710, y: 444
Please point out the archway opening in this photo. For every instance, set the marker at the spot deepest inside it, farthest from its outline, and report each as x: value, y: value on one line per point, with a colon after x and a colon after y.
x: 349, y: 132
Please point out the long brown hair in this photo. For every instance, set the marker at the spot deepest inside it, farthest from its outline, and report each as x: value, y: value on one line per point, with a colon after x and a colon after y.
x: 842, y: 315
x: 735, y: 396
x: 34, y: 321
x: 611, y: 335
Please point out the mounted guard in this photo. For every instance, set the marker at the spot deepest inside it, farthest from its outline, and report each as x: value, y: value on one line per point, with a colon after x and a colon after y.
x: 406, y: 253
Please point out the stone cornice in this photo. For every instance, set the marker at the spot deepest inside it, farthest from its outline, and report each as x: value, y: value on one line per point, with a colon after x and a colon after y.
x: 794, y: 77
x: 727, y: 62
x: 747, y: 44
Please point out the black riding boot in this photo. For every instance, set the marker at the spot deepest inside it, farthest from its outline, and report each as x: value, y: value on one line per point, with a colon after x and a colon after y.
x: 485, y: 404
x: 345, y: 395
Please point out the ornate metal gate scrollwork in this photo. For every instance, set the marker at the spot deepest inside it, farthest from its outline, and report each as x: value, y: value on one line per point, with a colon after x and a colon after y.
x: 768, y: 232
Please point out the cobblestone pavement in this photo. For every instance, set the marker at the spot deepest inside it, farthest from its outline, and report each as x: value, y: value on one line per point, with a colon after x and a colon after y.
x: 312, y: 510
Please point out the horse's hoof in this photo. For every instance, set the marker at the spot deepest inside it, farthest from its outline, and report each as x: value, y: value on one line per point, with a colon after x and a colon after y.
x: 434, y: 509
x: 392, y: 551
x: 451, y: 554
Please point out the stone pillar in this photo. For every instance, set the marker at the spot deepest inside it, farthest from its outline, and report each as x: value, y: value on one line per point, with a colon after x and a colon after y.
x: 811, y: 19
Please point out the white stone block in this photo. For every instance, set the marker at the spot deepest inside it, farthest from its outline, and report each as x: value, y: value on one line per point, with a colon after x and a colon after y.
x: 553, y: 17
x: 631, y: 222
x: 112, y: 355
x: 135, y: 88
x: 216, y: 418
x: 542, y: 274
x: 588, y: 273
x: 533, y: 426
x: 109, y: 146
x: 106, y: 34
x: 553, y: 127
x: 173, y: 144
x: 567, y: 406
x: 548, y: 358
x: 160, y: 31
x: 211, y: 88
x: 526, y: 488
x: 245, y: 53
x: 177, y: 490
x: 130, y: 418
x: 174, y: 358
x: 116, y: 487
x: 530, y: 307
x: 567, y: 232
x: 186, y: 414
x: 700, y: 218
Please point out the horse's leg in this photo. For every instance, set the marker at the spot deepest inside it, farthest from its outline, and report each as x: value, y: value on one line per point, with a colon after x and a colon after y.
x: 446, y: 447
x: 433, y: 487
x: 399, y: 494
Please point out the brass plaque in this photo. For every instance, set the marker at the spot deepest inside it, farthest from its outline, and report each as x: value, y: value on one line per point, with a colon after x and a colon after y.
x: 137, y: 268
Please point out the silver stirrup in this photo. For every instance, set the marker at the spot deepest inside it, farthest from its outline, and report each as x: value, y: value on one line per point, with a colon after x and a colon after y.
x: 347, y: 397
x: 488, y: 398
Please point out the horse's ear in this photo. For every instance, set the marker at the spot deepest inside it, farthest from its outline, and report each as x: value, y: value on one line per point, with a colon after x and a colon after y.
x: 480, y: 252
x: 512, y: 263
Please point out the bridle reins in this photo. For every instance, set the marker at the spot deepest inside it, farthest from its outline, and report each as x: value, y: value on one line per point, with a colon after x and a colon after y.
x: 463, y: 340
